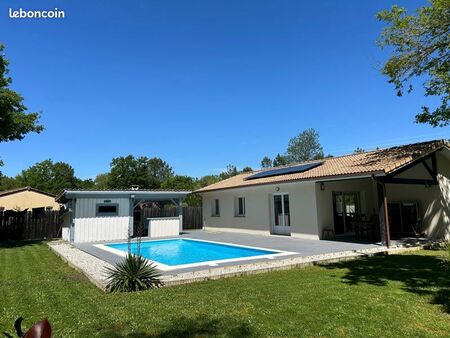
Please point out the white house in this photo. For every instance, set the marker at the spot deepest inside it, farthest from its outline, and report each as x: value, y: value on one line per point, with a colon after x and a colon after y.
x: 106, y: 215
x: 383, y: 193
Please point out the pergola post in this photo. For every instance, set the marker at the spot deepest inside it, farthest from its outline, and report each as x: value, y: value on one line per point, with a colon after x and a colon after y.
x: 131, y: 213
x: 383, y: 215
x: 178, y: 203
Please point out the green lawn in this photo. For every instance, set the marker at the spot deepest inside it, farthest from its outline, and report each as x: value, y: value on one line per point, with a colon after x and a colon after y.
x: 398, y: 295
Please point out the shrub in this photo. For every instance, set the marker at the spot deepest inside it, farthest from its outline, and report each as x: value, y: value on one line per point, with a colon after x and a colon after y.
x: 134, y: 273
x: 447, y: 255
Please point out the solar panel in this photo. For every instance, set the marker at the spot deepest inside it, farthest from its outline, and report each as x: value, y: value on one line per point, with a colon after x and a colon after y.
x: 284, y: 171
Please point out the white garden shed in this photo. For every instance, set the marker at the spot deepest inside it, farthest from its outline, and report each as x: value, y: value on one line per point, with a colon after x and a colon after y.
x: 107, y: 215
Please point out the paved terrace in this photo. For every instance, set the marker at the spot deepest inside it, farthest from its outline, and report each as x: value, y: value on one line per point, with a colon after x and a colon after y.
x: 300, y: 247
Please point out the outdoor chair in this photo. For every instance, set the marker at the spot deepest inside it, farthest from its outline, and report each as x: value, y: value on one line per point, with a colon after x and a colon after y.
x: 328, y: 233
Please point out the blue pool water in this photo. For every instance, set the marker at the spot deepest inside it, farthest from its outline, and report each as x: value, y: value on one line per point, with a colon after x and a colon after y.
x: 184, y: 251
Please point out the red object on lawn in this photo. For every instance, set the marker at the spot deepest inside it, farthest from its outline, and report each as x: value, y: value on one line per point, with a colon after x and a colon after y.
x: 41, y: 329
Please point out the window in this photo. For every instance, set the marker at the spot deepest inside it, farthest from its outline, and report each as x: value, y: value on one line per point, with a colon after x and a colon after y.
x: 37, y: 213
x: 107, y: 210
x: 239, y: 207
x: 215, y: 208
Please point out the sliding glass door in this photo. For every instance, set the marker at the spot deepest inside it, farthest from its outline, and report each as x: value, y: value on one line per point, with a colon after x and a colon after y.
x: 346, y: 209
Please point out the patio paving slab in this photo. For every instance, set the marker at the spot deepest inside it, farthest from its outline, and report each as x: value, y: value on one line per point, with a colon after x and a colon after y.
x: 300, y: 247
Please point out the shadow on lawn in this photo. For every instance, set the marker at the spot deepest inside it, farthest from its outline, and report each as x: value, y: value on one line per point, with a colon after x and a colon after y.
x: 18, y: 244
x: 422, y: 275
x: 193, y: 327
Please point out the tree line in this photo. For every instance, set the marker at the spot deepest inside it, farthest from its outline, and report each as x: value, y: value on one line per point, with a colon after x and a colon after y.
x: 148, y: 173
x: 125, y: 172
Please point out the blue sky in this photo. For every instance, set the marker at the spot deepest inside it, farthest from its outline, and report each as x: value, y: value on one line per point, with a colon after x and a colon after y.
x: 202, y: 84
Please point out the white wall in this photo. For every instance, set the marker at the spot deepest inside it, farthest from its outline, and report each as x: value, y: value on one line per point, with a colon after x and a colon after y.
x: 92, y: 228
x: 99, y: 229
x: 164, y: 226
x: 258, y: 218
x: 65, y: 234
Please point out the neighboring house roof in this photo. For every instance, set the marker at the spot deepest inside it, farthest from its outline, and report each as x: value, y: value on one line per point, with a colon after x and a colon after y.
x: 377, y: 162
x: 15, y: 191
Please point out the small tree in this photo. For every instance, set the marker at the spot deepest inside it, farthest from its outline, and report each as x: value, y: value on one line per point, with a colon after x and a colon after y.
x: 304, y: 147
x: 358, y: 150
x: 247, y: 169
x: 184, y: 183
x: 230, y: 172
x: 266, y: 162
x: 207, y: 180
x: 134, y: 273
x: 280, y: 160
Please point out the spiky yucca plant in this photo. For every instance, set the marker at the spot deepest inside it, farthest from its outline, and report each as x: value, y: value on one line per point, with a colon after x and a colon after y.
x: 134, y: 273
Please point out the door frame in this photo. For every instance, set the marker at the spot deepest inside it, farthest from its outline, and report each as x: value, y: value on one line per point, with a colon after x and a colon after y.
x: 280, y: 229
x: 358, y: 207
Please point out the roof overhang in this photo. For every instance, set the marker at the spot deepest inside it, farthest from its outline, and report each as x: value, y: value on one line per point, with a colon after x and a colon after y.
x: 445, y: 150
x: 303, y: 180
x: 136, y: 195
x: 442, y: 146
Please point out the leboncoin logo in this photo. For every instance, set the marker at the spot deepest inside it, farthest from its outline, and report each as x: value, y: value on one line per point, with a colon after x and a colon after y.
x: 41, y: 14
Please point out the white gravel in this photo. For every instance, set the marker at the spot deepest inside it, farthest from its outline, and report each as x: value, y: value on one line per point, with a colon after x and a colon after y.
x: 281, y: 264
x: 92, y: 267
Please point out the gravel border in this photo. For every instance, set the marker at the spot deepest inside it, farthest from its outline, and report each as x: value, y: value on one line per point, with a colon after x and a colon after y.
x: 94, y: 268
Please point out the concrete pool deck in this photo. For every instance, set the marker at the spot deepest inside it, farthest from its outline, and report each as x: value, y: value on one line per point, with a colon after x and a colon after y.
x: 92, y: 260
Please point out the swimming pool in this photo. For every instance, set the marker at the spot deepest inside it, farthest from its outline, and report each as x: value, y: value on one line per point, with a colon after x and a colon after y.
x: 183, y: 252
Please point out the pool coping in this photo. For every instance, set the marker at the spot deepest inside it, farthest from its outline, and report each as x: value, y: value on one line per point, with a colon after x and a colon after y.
x: 95, y: 269
x: 212, y: 263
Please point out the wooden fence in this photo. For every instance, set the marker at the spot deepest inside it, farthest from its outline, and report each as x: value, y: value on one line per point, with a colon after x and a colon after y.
x: 192, y: 216
x: 25, y: 225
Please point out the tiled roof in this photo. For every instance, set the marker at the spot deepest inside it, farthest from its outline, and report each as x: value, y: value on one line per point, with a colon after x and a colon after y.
x: 382, y: 161
x: 14, y: 191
